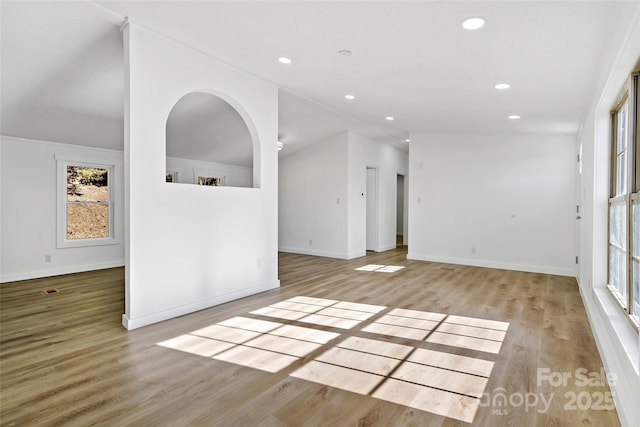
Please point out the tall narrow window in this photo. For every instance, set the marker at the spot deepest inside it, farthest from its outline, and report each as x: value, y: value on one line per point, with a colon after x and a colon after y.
x: 618, y: 205
x: 634, y: 180
x: 85, y: 204
x: 624, y: 208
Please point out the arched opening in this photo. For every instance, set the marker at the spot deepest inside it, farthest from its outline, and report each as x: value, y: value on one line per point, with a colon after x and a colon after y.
x: 208, y: 143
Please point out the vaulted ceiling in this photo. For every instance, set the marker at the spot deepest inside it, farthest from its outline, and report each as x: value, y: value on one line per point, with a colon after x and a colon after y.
x: 62, y: 65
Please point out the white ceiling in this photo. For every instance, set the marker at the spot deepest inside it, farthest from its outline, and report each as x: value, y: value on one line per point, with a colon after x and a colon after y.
x: 62, y: 63
x: 62, y: 74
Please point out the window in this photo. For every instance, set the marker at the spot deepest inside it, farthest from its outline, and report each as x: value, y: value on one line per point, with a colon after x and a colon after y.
x: 85, y: 204
x: 208, y: 177
x: 624, y: 203
x: 171, y: 176
x: 214, y: 181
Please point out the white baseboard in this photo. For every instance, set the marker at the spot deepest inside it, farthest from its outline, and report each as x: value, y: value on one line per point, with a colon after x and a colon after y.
x: 326, y: 254
x: 59, y: 271
x: 494, y: 264
x: 357, y: 255
x: 387, y: 248
x: 148, y: 319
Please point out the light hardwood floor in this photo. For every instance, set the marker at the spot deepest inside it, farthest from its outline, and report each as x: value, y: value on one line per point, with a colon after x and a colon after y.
x: 427, y: 345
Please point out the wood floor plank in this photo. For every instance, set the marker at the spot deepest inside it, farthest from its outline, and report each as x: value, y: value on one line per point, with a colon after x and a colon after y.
x: 65, y: 358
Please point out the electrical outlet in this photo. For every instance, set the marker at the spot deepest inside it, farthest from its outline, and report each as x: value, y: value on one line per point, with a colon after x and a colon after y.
x: 47, y: 258
x: 473, y: 249
x: 310, y: 242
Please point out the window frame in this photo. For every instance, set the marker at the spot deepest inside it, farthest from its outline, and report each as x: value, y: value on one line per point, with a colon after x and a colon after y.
x: 629, y: 95
x: 62, y: 162
x: 209, y: 173
x: 174, y: 177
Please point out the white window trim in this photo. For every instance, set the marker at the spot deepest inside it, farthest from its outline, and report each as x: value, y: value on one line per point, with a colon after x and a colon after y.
x: 61, y: 198
x: 628, y: 95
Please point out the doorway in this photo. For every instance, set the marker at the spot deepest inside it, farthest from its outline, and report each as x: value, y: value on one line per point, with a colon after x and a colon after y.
x: 578, y: 225
x: 372, y: 209
x: 401, y: 212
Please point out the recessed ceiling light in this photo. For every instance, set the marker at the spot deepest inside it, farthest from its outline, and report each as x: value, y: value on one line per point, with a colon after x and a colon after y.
x: 514, y: 117
x: 473, y: 23
x: 390, y: 118
x: 284, y: 60
x: 344, y: 52
x: 406, y: 140
x: 502, y: 86
x: 350, y: 97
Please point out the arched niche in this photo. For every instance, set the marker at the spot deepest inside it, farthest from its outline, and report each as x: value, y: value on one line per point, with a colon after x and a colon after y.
x: 208, y: 142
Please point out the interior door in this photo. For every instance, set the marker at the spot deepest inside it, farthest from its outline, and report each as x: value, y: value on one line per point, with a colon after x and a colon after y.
x: 578, y: 226
x: 372, y: 209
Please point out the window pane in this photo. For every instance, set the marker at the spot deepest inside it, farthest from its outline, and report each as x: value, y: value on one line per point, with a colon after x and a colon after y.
x: 622, y: 129
x: 635, y: 263
x: 210, y: 180
x: 613, y: 271
x: 618, y: 273
x: 87, y: 184
x: 621, y: 175
x: 87, y: 220
x: 635, y: 227
x: 87, y: 202
x: 635, y: 290
x: 618, y: 224
x: 621, y: 150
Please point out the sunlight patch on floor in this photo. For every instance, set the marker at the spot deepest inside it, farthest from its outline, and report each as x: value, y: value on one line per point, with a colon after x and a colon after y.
x: 468, y: 332
x: 402, y: 323
x: 456, y: 331
x: 439, y: 402
x: 381, y: 268
x: 319, y: 311
x: 196, y: 345
x: 258, y: 344
x: 433, y: 381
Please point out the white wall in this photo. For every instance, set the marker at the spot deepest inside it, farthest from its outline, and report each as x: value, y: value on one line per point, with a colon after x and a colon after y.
x: 313, y: 199
x: 493, y: 200
x: 28, y: 209
x: 618, y: 342
x: 235, y: 176
x: 187, y: 247
x: 390, y: 162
